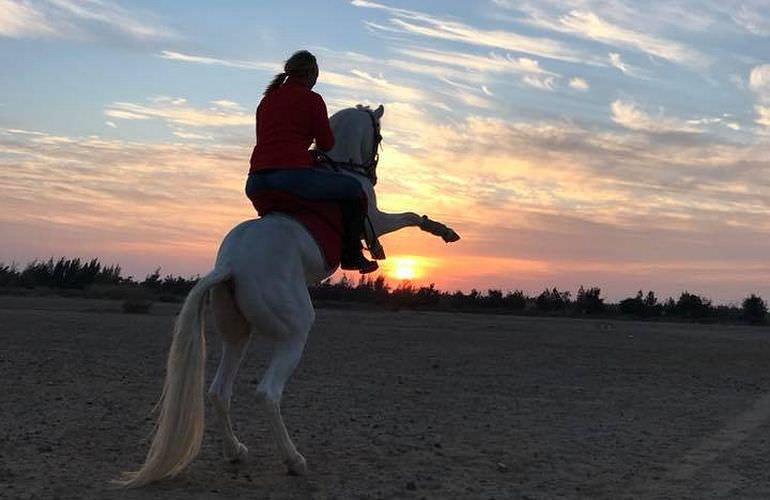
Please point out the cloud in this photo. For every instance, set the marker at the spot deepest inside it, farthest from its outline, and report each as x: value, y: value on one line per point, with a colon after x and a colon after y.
x: 759, y: 81
x: 191, y: 58
x: 630, y: 116
x: 224, y: 103
x: 78, y: 19
x: 579, y: 84
x: 763, y: 115
x: 192, y: 135
x: 494, y: 63
x: 540, y: 82
x: 621, y: 25
x: 617, y: 62
x: 177, y: 111
x: 759, y: 84
x: 110, y: 124
x: 587, y: 24
x: 20, y: 20
x: 422, y: 24
x: 350, y: 79
x: 752, y: 15
x: 467, y: 94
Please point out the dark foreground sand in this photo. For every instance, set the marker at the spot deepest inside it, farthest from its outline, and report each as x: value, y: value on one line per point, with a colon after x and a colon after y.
x: 400, y: 405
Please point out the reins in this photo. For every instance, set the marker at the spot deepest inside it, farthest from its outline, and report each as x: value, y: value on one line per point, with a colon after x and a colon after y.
x: 368, y: 169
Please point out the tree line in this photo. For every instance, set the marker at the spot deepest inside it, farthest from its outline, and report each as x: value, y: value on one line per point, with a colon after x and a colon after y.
x: 102, y: 280
x: 586, y: 302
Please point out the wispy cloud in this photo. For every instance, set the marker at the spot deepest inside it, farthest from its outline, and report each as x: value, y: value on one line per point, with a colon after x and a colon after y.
x: 579, y: 84
x: 178, y: 111
x: 423, y: 24
x: 589, y: 25
x: 493, y: 63
x: 78, y: 19
x: 759, y: 81
x: 192, y: 58
x: 579, y: 18
x: 617, y: 62
x: 759, y: 84
x: 351, y: 79
x: 540, y: 82
x: 629, y: 115
x: 751, y: 15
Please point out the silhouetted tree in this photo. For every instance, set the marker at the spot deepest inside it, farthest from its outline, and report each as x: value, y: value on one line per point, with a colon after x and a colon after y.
x: 692, y: 306
x: 515, y: 300
x: 589, y: 301
x: 494, y: 299
x: 552, y: 300
x: 755, y: 310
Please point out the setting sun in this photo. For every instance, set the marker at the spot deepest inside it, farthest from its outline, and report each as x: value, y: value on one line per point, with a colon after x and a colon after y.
x: 403, y: 268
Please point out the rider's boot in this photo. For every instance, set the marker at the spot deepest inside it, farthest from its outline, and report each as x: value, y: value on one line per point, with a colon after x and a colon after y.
x: 353, y: 259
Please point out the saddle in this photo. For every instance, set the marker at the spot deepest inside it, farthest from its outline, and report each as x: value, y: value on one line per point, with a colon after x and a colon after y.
x: 322, y: 219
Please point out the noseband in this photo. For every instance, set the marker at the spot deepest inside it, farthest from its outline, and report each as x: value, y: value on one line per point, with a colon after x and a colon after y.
x: 369, y: 168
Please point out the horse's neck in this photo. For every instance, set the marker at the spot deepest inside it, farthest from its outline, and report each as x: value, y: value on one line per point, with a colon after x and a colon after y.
x: 348, y: 144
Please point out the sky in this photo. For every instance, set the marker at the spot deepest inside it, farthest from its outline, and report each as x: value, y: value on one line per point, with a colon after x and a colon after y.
x: 618, y: 144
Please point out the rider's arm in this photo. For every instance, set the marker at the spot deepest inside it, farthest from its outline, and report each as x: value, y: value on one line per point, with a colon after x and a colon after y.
x: 322, y: 132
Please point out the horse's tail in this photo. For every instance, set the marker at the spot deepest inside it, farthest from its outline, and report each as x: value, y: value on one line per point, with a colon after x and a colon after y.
x: 179, y: 428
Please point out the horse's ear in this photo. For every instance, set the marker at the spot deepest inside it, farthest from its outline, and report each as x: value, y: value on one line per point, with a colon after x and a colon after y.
x: 379, y: 111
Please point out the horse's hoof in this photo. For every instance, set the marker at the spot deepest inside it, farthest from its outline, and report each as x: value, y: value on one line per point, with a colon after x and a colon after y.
x: 239, y: 456
x: 297, y: 466
x: 450, y: 236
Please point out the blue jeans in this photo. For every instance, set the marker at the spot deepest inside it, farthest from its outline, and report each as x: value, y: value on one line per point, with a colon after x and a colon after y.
x: 308, y: 183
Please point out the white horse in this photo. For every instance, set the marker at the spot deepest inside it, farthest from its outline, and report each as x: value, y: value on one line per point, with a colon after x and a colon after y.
x: 259, y: 285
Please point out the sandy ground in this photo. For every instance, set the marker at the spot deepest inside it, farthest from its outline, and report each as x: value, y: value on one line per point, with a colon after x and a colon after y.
x: 400, y: 405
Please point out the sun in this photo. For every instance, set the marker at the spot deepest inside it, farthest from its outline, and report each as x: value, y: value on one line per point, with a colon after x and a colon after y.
x: 403, y: 268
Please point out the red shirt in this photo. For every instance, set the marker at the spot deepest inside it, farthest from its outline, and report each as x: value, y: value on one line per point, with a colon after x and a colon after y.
x: 288, y: 119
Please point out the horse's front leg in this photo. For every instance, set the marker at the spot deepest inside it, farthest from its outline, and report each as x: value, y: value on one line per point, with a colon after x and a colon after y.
x: 384, y: 223
x: 438, y: 229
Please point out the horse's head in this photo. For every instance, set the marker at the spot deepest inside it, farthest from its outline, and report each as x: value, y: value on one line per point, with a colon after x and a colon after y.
x: 357, y: 139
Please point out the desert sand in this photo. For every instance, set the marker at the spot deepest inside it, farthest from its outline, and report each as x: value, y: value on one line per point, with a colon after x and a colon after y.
x: 399, y: 405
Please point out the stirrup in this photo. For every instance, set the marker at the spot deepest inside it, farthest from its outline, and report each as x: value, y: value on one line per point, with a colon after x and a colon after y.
x: 359, y: 263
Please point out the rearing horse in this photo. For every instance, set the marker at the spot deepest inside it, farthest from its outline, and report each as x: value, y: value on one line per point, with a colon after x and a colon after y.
x: 259, y: 285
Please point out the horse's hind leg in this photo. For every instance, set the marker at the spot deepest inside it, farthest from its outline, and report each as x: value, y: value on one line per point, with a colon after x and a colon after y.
x: 289, y: 328
x: 285, y: 357
x: 234, y: 330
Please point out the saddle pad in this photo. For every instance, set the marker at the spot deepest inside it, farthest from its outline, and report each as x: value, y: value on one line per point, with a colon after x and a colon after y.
x: 322, y: 219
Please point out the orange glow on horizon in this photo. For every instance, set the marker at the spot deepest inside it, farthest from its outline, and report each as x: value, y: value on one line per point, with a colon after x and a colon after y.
x: 405, y: 267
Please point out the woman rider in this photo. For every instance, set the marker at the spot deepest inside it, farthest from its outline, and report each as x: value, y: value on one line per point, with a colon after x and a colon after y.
x: 289, y: 117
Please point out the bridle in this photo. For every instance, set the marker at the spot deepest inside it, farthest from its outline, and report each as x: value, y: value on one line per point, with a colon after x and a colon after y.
x: 369, y: 168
